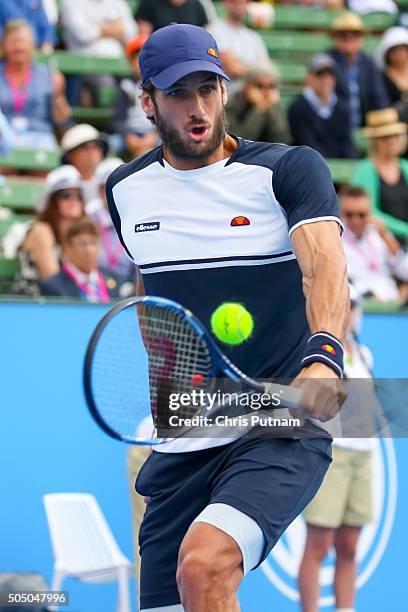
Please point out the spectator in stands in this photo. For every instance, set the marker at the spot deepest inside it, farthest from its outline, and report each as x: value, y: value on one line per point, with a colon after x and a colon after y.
x: 359, y: 82
x: 254, y: 111
x: 59, y: 206
x: 31, y: 96
x: 240, y: 47
x: 373, y: 6
x: 84, y: 147
x: 80, y: 275
x: 343, y: 504
x: 137, y: 134
x: 6, y: 135
x: 392, y: 59
x: 31, y: 11
x: 374, y: 256
x: 154, y: 14
x: 113, y: 255
x: 318, y: 118
x: 97, y: 27
x: 384, y: 174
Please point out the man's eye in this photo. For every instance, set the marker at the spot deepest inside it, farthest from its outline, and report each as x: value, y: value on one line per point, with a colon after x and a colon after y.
x: 208, y: 88
x: 175, y: 93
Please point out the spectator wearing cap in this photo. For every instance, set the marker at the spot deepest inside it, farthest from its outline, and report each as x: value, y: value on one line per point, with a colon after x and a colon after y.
x: 32, y: 12
x: 84, y: 147
x: 391, y: 57
x: 358, y: 80
x: 374, y: 256
x: 30, y: 94
x: 154, y: 14
x: 60, y: 204
x: 240, y: 47
x: 113, y: 255
x: 137, y: 134
x: 254, y: 111
x: 318, y: 118
x: 80, y: 275
x: 384, y: 174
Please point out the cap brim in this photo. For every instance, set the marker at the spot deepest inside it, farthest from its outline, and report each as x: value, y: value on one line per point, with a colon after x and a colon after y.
x: 166, y: 78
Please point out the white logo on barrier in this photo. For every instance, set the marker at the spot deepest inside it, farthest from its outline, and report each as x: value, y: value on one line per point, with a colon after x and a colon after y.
x: 282, y: 565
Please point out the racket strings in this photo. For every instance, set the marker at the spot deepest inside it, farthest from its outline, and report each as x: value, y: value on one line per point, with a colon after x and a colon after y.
x: 178, y: 357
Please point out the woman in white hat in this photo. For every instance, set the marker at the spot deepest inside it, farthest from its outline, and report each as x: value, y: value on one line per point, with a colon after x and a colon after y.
x: 391, y: 58
x: 60, y: 204
x: 384, y: 174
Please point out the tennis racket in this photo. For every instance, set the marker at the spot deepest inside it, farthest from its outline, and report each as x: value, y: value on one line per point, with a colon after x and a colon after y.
x: 147, y: 348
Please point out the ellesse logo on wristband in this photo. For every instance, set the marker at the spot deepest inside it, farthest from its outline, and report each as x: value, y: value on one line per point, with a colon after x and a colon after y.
x: 151, y: 226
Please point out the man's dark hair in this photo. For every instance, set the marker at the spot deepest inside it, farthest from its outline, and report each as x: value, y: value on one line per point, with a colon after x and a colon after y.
x: 348, y: 191
x: 82, y: 226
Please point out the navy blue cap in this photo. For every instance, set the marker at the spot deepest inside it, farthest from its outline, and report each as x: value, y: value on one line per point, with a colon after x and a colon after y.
x: 177, y: 50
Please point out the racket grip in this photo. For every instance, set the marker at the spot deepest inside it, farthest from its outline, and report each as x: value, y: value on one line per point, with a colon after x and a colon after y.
x: 289, y: 396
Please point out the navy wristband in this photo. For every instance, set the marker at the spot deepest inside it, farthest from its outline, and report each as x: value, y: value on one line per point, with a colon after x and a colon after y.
x: 325, y: 348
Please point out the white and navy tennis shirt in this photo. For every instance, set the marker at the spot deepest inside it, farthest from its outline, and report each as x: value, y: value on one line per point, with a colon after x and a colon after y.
x: 221, y: 233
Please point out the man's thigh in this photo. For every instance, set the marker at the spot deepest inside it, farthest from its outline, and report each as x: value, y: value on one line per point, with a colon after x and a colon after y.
x: 268, y: 480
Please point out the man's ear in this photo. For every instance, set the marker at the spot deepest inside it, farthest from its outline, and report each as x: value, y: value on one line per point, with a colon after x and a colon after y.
x: 224, y: 92
x: 147, y: 104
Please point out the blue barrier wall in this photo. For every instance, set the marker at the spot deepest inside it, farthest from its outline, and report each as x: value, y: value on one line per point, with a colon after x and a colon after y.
x: 48, y: 443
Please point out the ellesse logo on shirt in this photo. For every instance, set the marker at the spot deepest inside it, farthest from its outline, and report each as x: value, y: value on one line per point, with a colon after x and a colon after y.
x: 147, y: 227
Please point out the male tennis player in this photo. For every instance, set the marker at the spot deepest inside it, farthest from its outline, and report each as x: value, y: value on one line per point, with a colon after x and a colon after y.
x: 210, y: 218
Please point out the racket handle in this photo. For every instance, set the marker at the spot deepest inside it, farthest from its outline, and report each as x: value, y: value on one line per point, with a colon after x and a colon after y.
x: 289, y: 396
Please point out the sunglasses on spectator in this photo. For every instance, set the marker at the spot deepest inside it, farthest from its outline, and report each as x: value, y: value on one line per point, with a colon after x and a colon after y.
x: 349, y: 34
x: 65, y: 194
x: 260, y: 85
x: 83, y: 244
x: 349, y: 214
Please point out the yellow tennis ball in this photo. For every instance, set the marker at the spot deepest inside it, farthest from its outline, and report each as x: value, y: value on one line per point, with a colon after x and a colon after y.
x: 232, y: 323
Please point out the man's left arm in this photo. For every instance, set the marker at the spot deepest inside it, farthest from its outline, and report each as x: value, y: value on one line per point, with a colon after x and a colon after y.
x: 322, y: 261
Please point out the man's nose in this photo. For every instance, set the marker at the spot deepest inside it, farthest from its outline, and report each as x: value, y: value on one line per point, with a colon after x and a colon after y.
x: 195, y: 106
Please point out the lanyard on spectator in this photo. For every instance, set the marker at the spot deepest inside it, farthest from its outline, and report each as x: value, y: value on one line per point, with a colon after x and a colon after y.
x: 112, y: 255
x: 371, y: 261
x: 19, y: 95
x: 102, y: 293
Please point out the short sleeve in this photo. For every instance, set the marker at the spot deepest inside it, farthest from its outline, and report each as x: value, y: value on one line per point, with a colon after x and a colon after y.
x: 303, y: 186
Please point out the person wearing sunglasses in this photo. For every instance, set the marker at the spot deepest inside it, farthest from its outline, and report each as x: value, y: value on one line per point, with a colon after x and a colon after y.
x: 59, y: 206
x: 359, y: 81
x: 374, y: 257
x: 255, y: 112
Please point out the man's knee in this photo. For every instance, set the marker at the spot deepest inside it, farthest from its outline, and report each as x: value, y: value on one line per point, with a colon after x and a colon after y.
x: 207, y: 557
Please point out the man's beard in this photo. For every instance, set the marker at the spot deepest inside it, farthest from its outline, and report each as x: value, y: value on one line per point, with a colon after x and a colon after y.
x: 191, y: 151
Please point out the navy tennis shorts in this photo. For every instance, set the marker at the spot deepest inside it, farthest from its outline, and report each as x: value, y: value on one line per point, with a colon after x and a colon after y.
x: 270, y: 480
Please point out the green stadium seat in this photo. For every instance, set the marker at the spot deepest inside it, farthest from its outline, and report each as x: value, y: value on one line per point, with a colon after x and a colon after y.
x: 8, y: 268
x: 293, y: 43
x: 20, y: 195
x: 342, y: 169
x: 31, y: 159
x: 93, y: 115
x: 306, y: 18
x: 80, y: 64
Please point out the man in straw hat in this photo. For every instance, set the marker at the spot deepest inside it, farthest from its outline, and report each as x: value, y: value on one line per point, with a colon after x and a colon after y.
x: 358, y: 79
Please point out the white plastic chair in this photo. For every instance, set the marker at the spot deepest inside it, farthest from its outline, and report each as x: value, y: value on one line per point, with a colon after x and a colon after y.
x: 84, y: 546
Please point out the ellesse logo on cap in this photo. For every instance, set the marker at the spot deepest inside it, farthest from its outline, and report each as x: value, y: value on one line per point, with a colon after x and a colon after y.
x: 240, y: 221
x: 212, y: 51
x: 151, y: 226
